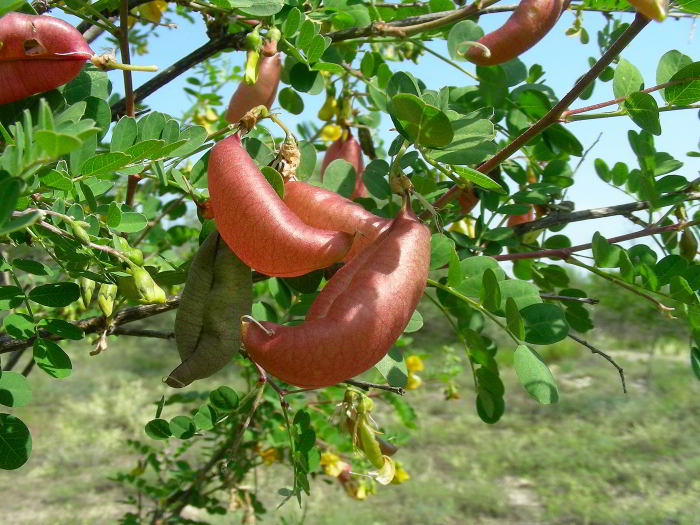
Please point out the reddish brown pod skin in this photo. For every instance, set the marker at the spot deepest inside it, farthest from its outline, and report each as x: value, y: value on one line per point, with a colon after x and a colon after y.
x: 514, y: 220
x: 263, y: 92
x: 357, y: 316
x: 528, y: 24
x: 38, y: 53
x: 256, y: 224
x: 350, y: 150
x: 468, y: 200
x: 325, y: 209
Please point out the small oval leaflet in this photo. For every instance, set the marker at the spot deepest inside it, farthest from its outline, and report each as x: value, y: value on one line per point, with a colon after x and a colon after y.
x: 535, y: 376
x: 15, y: 442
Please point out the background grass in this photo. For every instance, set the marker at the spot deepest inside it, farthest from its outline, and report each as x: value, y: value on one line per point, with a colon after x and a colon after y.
x: 597, y: 457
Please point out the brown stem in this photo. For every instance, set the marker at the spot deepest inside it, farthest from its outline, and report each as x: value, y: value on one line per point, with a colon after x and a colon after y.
x: 128, y: 86
x: 411, y: 25
x: 553, y: 114
x: 619, y: 100
x: 67, y: 235
x: 142, y: 332
x: 97, y: 324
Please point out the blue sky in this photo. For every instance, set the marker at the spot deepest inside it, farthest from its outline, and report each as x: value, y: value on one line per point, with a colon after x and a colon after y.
x: 563, y: 58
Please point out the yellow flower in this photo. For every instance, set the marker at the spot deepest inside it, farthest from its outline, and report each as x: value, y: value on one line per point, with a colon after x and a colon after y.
x: 413, y: 381
x: 270, y: 455
x: 332, y: 465
x: 152, y: 11
x: 359, y: 488
x: 400, y: 476
x: 205, y: 118
x: 329, y: 109
x: 414, y: 363
x: 331, y: 132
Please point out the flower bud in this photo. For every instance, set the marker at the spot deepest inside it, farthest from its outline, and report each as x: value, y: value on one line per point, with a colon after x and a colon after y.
x: 87, y: 287
x: 147, y: 288
x: 688, y: 245
x: 105, y: 298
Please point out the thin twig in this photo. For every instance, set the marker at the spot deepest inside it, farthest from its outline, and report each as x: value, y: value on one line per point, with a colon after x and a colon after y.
x: 142, y: 332
x: 366, y: 386
x: 513, y: 7
x: 133, y: 180
x: 605, y: 356
x: 554, y: 297
x: 228, y: 448
x: 554, y: 219
x: 666, y: 310
x: 59, y: 231
x: 95, y: 324
x: 411, y: 25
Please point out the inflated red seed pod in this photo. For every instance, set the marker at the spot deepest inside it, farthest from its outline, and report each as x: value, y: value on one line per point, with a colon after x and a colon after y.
x: 528, y: 24
x: 257, y: 225
x: 38, y: 53
x: 357, y: 316
x: 325, y: 209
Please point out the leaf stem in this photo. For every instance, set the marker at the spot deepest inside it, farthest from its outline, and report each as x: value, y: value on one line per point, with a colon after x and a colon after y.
x: 443, y: 58
x: 474, y: 304
x: 661, y: 307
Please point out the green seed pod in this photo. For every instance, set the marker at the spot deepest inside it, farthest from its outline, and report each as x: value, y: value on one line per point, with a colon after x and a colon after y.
x: 135, y: 256
x: 207, y: 328
x: 366, y: 405
x: 370, y: 445
x: 147, y: 288
x: 252, y: 67
x: 80, y: 233
x: 688, y: 245
x: 105, y: 298
x: 127, y: 288
x: 386, y: 448
x: 87, y: 287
